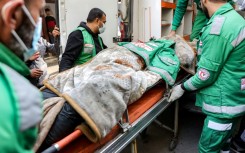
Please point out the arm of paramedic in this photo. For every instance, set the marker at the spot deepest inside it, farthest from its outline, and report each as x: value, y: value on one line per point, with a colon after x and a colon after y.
x: 179, y: 13
x: 214, y: 55
x: 73, y: 48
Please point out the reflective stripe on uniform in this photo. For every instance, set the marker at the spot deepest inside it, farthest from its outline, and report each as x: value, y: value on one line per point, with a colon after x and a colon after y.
x: 239, y: 38
x: 29, y: 99
x: 133, y: 48
x: 219, y: 126
x: 224, y: 109
x: 190, y: 85
x: 224, y: 151
x: 163, y: 73
x: 168, y: 61
x: 217, y: 25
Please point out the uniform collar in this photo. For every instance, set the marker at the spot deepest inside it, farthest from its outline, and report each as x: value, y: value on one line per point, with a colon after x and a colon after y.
x: 222, y: 10
x: 83, y: 24
x: 9, y: 58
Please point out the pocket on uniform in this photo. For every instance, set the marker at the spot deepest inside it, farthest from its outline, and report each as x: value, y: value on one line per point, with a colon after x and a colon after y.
x: 216, y: 139
x: 211, y: 140
x: 210, y: 98
x: 168, y: 62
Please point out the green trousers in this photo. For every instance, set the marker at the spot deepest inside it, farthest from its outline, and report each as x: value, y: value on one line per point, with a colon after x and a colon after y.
x: 199, y: 23
x: 216, y: 134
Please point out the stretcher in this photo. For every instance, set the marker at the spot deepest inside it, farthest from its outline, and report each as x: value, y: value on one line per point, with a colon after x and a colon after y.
x: 137, y: 117
x: 139, y: 114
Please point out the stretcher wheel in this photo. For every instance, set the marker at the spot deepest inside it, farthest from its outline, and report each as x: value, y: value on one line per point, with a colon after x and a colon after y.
x: 173, y: 144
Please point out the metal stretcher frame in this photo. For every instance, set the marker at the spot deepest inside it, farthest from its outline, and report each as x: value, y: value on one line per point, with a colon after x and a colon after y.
x: 140, y: 114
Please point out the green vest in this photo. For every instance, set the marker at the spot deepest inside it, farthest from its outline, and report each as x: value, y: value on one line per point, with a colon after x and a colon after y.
x: 222, y: 49
x: 181, y: 10
x: 89, y: 50
x: 159, y: 56
x: 9, y: 58
x: 19, y: 105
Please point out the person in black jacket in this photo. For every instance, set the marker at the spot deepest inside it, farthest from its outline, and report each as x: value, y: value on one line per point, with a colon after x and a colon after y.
x: 79, y: 40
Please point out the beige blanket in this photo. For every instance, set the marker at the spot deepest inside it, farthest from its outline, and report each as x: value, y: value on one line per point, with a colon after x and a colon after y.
x: 101, y: 90
x: 51, y: 108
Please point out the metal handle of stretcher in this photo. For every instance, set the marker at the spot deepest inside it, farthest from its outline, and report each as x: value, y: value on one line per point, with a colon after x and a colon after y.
x: 64, y: 142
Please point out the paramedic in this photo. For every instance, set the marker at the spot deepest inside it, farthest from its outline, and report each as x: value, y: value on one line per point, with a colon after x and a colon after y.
x: 84, y: 42
x: 220, y: 78
x: 200, y: 19
x: 20, y: 101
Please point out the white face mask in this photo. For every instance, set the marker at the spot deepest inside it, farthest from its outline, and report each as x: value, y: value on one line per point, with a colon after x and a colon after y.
x: 102, y: 29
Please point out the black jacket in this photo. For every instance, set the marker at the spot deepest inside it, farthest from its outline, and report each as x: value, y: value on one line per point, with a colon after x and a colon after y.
x: 74, y: 46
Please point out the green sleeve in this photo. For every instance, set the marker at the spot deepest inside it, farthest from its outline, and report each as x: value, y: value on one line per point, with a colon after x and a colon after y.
x: 201, y: 79
x: 215, y: 53
x: 179, y: 13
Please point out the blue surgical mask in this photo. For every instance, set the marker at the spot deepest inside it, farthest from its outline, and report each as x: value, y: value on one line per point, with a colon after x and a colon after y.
x: 36, y: 36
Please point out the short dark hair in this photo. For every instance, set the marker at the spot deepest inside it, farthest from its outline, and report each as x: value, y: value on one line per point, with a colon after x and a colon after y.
x: 95, y: 13
x: 47, y: 9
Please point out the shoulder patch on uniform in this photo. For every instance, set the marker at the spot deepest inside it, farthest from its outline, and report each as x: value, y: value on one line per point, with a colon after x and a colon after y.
x: 203, y: 74
x: 217, y: 25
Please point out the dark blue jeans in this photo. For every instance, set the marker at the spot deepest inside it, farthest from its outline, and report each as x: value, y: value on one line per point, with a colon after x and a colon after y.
x: 64, y: 124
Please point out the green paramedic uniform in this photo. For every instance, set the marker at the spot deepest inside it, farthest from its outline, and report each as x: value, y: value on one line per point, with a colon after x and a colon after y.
x: 159, y: 56
x: 220, y: 77
x: 89, y: 50
x: 200, y: 19
x: 20, y: 105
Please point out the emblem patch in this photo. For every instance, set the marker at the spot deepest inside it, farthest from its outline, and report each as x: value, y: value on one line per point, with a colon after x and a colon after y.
x: 143, y: 45
x: 243, y: 84
x: 203, y: 74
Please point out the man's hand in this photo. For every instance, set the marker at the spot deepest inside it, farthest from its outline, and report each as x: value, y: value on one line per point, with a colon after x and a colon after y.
x: 36, y: 73
x: 34, y: 56
x: 56, y: 31
x: 176, y: 93
x: 172, y: 33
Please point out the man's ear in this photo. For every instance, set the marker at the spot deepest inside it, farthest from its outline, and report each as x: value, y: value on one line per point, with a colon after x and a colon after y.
x: 12, y: 13
x: 97, y: 20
